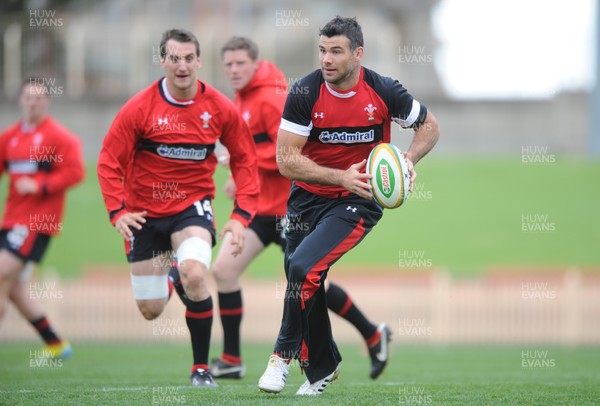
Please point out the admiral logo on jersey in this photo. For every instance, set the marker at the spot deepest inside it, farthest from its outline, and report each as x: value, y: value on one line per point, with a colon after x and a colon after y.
x: 346, y: 138
x: 182, y: 153
x: 23, y: 167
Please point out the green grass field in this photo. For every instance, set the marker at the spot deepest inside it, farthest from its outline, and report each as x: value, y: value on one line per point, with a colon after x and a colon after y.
x: 121, y: 374
x: 465, y: 215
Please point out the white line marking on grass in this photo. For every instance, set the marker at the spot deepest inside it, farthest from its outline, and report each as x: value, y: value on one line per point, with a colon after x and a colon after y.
x: 124, y: 389
x: 368, y: 383
x: 19, y: 391
x: 108, y: 389
x: 139, y: 388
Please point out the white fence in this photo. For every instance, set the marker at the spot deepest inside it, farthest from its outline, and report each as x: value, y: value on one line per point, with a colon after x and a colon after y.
x: 557, y: 307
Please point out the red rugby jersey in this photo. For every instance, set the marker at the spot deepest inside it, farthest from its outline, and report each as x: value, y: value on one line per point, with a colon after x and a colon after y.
x: 51, y: 155
x: 158, y: 155
x: 343, y: 128
x: 261, y: 104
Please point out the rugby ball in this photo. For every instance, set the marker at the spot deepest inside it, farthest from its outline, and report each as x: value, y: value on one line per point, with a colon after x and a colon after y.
x: 390, y: 176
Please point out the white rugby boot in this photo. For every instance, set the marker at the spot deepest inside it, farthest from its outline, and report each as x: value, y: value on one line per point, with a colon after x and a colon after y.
x: 273, y: 380
x: 318, y: 387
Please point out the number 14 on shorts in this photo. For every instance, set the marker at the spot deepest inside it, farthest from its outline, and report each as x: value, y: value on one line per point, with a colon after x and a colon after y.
x: 204, y: 208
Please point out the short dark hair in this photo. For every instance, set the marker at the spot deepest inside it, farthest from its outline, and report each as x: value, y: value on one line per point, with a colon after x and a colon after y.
x: 235, y: 43
x: 178, y: 35
x: 346, y: 26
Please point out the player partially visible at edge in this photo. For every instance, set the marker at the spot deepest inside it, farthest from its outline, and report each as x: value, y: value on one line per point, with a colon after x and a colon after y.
x: 260, y: 93
x: 43, y: 160
x: 155, y: 171
x: 330, y: 192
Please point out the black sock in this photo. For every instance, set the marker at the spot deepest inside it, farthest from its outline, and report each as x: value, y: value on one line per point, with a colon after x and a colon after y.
x: 231, y: 311
x: 199, y: 316
x: 45, y: 330
x: 339, y: 302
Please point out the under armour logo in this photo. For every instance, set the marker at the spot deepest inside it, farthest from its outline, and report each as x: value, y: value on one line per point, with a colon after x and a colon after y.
x: 319, y: 115
x: 353, y: 209
x: 162, y: 121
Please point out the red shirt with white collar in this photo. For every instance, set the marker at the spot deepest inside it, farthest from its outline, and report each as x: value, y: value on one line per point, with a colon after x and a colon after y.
x: 343, y: 127
x: 158, y: 155
x: 49, y: 154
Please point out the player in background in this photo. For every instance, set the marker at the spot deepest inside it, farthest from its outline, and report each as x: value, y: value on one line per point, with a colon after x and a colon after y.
x: 331, y: 121
x: 156, y: 171
x: 43, y: 160
x: 260, y: 93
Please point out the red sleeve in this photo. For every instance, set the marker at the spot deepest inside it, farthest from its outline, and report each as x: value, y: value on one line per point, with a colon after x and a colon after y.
x: 3, y: 138
x: 69, y: 171
x: 267, y: 151
x: 117, y: 151
x: 237, y: 139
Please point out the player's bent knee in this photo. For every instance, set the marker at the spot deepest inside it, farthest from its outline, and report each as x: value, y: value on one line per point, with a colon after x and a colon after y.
x: 194, y: 279
x: 8, y: 274
x: 194, y: 248
x: 10, y: 265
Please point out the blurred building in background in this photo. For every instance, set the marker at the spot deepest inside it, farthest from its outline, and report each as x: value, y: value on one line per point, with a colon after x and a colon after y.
x: 97, y: 54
